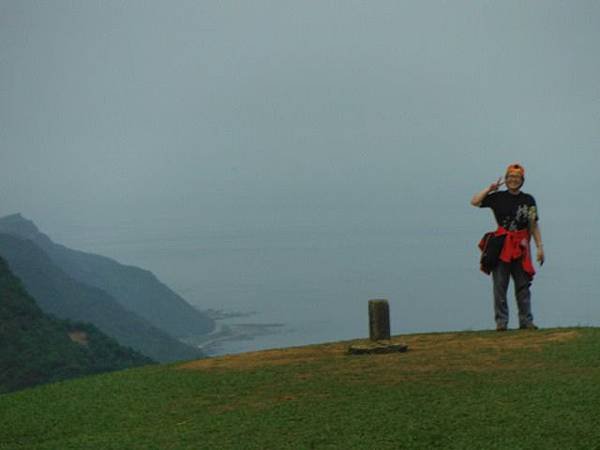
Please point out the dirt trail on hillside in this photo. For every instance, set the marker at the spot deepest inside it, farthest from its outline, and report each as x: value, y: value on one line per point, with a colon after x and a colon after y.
x: 427, y: 352
x: 80, y: 337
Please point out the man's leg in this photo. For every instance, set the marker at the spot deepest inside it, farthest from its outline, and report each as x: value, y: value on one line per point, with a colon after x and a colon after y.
x: 522, y: 282
x: 500, y: 277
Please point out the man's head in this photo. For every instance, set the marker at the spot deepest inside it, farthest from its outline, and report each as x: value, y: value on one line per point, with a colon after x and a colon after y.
x: 515, y: 177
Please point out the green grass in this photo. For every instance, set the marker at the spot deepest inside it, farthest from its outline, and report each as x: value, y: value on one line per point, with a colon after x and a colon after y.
x: 514, y: 390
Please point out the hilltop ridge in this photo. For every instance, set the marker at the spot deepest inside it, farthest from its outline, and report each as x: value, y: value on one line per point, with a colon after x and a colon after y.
x: 17, y: 224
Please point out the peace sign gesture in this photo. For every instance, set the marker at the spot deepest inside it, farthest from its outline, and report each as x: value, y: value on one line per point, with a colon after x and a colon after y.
x: 496, y: 185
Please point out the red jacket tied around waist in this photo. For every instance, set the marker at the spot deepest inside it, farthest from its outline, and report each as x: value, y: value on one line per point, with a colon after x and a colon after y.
x: 516, y: 245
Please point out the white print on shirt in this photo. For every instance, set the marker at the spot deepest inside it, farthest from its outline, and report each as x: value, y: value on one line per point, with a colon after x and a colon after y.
x: 524, y: 214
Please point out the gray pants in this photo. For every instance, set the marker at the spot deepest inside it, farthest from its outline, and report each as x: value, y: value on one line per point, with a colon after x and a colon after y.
x: 522, y: 281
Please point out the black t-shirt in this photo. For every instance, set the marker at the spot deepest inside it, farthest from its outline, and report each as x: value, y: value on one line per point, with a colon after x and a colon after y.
x: 512, y: 212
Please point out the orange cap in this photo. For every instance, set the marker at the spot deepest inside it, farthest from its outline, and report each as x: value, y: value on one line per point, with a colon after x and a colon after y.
x: 516, y: 168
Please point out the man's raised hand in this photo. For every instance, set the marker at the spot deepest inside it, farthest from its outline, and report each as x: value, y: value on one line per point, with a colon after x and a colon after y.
x: 496, y: 185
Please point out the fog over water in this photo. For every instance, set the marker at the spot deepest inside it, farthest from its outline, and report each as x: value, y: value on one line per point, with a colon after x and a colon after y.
x: 296, y: 159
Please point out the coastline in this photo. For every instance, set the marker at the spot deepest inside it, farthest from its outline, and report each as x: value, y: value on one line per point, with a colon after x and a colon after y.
x: 225, y: 331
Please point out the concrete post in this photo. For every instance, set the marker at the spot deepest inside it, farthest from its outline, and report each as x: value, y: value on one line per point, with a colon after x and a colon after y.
x: 379, y: 320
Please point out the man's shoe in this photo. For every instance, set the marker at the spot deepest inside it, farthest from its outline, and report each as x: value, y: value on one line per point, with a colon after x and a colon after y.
x: 529, y: 326
x: 501, y: 328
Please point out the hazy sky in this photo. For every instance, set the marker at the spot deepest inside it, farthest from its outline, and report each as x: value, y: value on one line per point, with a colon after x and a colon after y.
x: 217, y: 109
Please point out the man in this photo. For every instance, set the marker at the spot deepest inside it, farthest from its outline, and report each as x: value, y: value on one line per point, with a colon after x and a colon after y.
x: 517, y: 219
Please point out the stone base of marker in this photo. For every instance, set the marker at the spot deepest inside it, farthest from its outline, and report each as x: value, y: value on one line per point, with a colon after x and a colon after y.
x: 377, y: 347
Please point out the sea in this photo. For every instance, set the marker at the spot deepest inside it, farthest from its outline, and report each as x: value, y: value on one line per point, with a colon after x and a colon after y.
x: 278, y: 283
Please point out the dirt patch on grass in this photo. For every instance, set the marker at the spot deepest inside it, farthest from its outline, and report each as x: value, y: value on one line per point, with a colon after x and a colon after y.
x: 427, y: 352
x: 438, y: 356
x: 495, y: 341
x: 278, y: 357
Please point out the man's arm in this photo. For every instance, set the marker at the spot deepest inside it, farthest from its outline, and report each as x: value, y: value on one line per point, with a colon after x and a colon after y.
x: 478, y: 198
x: 537, y: 237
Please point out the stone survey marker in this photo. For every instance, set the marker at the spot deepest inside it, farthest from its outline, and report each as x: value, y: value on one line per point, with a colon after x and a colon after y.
x: 379, y: 332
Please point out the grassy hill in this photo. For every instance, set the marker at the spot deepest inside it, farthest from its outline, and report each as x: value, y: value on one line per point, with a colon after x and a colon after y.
x: 519, y: 389
x: 36, y: 348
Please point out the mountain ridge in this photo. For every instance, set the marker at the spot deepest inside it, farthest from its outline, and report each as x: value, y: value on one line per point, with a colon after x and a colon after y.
x: 61, y: 295
x: 137, y: 289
